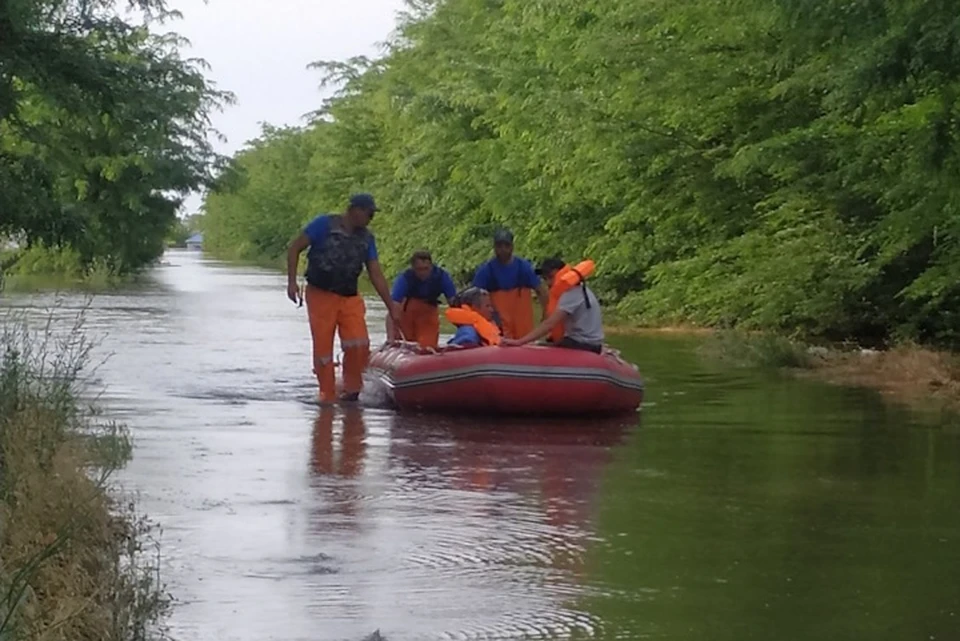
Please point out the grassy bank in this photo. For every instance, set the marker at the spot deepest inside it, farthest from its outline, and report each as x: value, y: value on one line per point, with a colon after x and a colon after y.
x: 907, y: 373
x: 922, y: 377
x: 41, y: 268
x: 74, y: 564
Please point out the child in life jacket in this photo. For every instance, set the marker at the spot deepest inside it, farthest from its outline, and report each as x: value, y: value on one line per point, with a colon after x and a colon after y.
x: 472, y: 313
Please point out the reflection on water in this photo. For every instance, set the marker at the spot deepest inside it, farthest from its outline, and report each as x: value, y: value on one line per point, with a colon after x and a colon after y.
x: 747, y: 506
x: 464, y: 529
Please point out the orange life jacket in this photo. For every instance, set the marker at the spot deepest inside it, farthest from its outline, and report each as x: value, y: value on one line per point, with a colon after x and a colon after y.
x: 465, y: 315
x: 566, y: 279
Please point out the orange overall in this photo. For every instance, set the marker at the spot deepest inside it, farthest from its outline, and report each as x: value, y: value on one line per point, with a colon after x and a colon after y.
x: 330, y: 313
x: 515, y: 307
x: 352, y: 445
x: 420, y: 322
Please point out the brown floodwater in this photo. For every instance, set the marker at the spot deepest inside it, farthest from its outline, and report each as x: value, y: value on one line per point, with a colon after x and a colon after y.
x: 742, y: 506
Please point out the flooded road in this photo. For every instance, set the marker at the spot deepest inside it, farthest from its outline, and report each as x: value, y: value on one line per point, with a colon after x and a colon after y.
x: 744, y: 507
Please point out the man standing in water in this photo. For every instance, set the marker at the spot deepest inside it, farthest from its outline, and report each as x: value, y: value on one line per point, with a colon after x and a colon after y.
x: 340, y: 247
x: 510, y: 281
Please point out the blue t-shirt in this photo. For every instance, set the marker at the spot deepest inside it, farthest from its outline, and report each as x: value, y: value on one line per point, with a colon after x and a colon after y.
x: 495, y: 276
x: 318, y: 229
x: 466, y: 335
x: 421, y: 289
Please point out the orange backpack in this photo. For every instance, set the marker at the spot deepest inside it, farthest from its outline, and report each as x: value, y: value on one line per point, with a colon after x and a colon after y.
x: 566, y: 279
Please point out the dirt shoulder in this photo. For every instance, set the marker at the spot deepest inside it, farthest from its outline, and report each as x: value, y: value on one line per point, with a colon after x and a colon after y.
x: 909, y: 374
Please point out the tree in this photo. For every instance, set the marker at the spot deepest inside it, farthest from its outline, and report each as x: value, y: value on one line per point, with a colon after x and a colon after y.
x: 103, y: 128
x: 781, y: 165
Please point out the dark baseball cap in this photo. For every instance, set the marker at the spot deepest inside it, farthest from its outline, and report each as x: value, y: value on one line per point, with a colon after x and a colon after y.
x: 549, y: 265
x: 363, y: 201
x: 503, y: 236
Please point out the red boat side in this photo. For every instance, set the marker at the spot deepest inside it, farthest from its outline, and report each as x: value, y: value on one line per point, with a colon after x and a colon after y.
x: 517, y: 380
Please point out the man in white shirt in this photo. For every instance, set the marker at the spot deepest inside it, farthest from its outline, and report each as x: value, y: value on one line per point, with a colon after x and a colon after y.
x: 577, y: 308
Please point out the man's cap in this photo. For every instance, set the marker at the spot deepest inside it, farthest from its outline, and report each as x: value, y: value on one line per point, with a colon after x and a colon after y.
x: 363, y: 201
x: 549, y: 265
x: 503, y: 236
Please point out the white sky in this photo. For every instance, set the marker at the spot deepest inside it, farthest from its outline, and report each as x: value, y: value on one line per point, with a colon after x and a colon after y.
x: 259, y: 50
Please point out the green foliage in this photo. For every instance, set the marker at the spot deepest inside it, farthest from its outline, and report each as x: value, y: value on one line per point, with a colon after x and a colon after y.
x: 102, y: 129
x: 42, y: 267
x: 784, y: 165
x: 259, y: 203
x: 763, y: 350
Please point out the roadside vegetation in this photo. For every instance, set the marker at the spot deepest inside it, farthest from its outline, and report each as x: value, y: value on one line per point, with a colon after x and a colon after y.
x: 76, y: 560
x: 104, y: 130
x: 779, y: 166
x: 908, y: 373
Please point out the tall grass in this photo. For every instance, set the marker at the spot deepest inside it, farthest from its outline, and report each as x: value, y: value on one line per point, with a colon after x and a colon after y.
x: 41, y: 268
x: 74, y: 561
x: 744, y: 349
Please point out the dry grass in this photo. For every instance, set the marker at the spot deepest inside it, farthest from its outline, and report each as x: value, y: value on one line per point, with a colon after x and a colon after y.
x: 614, y: 328
x: 71, y: 563
x: 906, y: 373
x: 755, y: 349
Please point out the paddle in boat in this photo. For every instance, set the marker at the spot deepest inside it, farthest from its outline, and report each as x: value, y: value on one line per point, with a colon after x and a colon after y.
x: 532, y: 379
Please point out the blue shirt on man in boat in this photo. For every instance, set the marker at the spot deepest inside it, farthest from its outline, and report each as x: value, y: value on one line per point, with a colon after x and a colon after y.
x: 466, y: 336
x: 495, y: 276
x: 407, y: 285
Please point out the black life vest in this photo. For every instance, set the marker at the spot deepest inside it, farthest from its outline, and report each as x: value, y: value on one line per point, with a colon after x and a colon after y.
x: 429, y: 291
x: 336, y: 263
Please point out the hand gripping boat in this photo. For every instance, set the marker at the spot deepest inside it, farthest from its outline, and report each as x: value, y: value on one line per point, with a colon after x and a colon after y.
x: 506, y: 380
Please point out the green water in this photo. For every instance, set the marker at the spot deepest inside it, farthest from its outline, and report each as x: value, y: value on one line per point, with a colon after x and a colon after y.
x: 757, y: 506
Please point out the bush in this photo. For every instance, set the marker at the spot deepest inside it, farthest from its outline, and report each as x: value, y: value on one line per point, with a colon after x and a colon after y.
x: 757, y: 350
x: 42, y: 267
x: 72, y: 563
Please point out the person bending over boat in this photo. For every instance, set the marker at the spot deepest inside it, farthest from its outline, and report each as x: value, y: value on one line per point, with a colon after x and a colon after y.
x: 340, y: 247
x: 418, y: 291
x: 510, y: 281
x: 574, y: 319
x: 472, y: 313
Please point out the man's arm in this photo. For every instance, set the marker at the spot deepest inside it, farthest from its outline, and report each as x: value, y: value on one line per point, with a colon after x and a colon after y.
x: 398, y: 294
x: 383, y: 289
x: 449, y: 288
x: 543, y: 295
x: 300, y: 243
x: 539, y: 332
x: 481, y: 276
x: 538, y: 285
x: 391, y: 328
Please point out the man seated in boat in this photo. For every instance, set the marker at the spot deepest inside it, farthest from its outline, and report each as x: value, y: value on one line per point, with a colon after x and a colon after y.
x: 574, y: 320
x: 418, y: 291
x: 472, y: 313
x: 511, y: 281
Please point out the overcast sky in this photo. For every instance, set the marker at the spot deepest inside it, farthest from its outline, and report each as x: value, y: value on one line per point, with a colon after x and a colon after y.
x: 259, y: 50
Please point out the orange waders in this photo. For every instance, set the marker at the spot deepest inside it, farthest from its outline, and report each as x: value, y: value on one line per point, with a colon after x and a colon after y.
x: 420, y: 322
x: 352, y: 443
x: 515, y: 307
x: 330, y: 313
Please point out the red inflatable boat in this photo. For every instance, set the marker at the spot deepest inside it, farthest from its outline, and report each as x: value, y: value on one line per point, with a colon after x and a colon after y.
x: 514, y: 380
